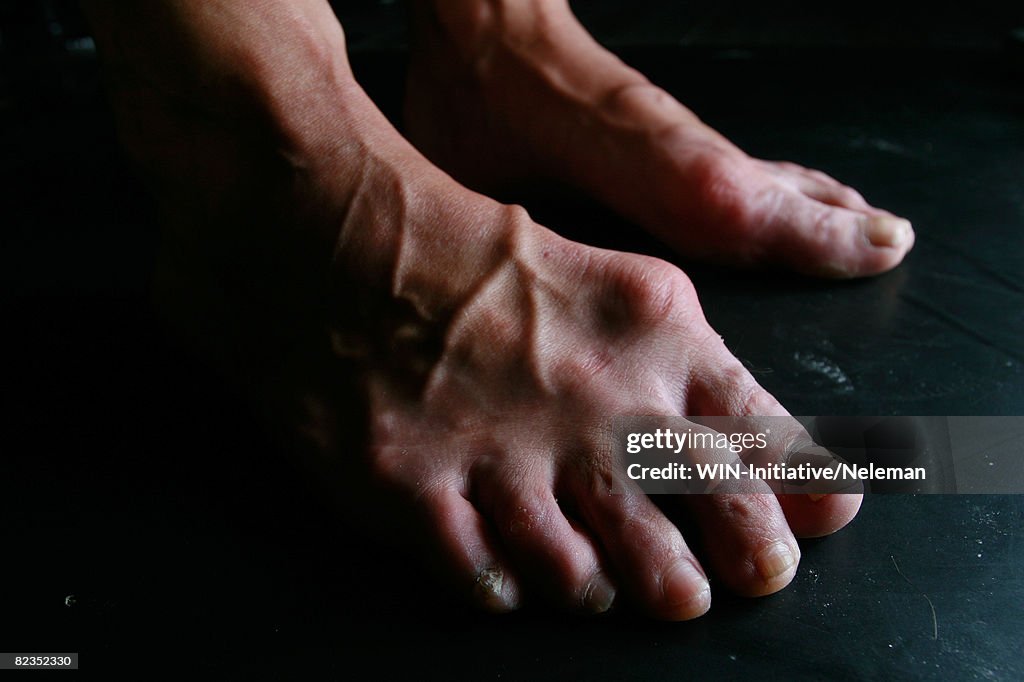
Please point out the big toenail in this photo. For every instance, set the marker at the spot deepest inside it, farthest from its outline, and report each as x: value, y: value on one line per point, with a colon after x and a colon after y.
x: 599, y: 595
x: 886, y: 231
x: 774, y: 560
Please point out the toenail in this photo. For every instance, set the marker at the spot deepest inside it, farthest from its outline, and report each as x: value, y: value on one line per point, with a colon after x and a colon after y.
x: 886, y: 231
x: 599, y: 595
x: 684, y: 584
x: 816, y: 497
x: 774, y: 560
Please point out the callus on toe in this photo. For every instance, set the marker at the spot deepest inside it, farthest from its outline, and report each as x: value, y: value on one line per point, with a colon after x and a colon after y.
x: 489, y: 591
x: 599, y: 595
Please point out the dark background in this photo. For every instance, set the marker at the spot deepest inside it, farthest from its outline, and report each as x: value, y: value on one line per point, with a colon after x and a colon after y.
x: 149, y: 516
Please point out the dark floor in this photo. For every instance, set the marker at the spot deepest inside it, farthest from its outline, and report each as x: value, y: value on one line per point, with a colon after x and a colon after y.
x: 136, y: 483
x: 986, y: 24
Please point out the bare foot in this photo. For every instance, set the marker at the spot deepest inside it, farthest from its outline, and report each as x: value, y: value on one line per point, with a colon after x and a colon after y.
x: 452, y: 365
x: 504, y: 91
x: 493, y: 355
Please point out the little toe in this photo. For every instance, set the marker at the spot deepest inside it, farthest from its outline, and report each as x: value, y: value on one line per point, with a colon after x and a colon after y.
x: 467, y: 551
x: 560, y: 560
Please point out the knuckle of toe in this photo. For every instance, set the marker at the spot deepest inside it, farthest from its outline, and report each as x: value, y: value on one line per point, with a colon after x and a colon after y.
x: 522, y: 517
x: 849, y: 196
x: 747, y: 396
x: 638, y: 99
x: 653, y: 290
x: 751, y: 399
x: 744, y: 510
x: 826, y: 229
x: 440, y: 509
x: 406, y: 469
x: 720, y: 181
x: 592, y: 469
x: 739, y: 394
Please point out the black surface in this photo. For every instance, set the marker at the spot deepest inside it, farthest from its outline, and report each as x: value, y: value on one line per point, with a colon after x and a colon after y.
x: 137, y: 483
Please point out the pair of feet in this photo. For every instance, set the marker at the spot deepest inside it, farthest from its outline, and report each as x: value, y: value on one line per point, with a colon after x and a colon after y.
x: 455, y: 366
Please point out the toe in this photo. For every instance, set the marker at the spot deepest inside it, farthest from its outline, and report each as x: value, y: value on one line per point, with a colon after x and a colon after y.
x: 645, y: 549
x: 814, y: 224
x: 748, y: 542
x: 821, y: 239
x: 720, y: 385
x: 819, y: 186
x: 833, y: 194
x: 467, y: 552
x: 754, y: 549
x: 547, y: 550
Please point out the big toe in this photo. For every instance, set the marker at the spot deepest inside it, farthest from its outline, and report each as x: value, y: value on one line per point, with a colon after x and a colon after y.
x: 821, y: 227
